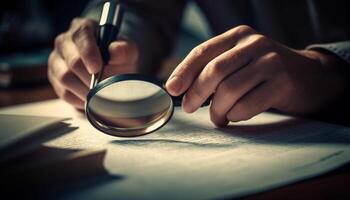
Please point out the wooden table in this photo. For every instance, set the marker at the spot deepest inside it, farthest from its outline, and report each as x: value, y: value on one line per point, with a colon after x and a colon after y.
x: 334, y: 185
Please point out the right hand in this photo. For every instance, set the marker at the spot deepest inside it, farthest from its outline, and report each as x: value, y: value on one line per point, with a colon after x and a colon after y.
x: 76, y: 56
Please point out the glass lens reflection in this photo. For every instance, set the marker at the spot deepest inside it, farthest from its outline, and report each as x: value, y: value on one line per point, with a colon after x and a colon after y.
x: 134, y: 107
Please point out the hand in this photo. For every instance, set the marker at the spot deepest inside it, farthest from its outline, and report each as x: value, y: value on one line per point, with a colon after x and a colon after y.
x: 249, y: 73
x: 76, y: 56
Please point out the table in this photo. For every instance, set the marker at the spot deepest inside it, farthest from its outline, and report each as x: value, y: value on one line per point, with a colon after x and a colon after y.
x: 333, y: 185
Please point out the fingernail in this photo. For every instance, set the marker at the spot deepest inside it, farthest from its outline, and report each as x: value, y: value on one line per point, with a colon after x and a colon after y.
x: 174, y: 86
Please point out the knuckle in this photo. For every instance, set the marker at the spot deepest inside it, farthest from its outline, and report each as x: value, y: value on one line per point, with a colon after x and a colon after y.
x: 237, y: 55
x: 243, y: 30
x: 201, y: 50
x: 74, y: 62
x: 82, y: 22
x: 261, y: 40
x: 216, y: 68
x: 81, y: 32
x: 275, y: 61
x: 59, y: 40
x: 76, y: 21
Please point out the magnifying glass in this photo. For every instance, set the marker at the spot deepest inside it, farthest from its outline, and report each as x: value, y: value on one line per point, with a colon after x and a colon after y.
x: 129, y: 105
x: 126, y: 105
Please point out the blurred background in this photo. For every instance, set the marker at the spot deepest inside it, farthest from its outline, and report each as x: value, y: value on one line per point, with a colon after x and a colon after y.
x: 27, y: 32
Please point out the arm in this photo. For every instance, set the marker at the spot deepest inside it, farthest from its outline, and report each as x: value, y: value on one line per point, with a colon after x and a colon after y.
x: 146, y: 37
x: 248, y: 73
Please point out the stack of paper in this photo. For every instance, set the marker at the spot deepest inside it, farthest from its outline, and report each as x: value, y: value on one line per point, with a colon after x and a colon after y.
x: 30, y: 167
x: 21, y: 133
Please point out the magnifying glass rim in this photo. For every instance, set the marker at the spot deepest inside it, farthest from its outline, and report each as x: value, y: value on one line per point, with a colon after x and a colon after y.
x: 120, y: 78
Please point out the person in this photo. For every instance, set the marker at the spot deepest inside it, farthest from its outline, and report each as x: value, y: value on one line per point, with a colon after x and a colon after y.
x: 292, y: 56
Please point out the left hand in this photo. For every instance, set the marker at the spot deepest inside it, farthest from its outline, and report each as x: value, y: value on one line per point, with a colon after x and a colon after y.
x: 249, y: 73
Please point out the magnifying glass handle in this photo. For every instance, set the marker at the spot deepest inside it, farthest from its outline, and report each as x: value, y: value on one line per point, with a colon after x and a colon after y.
x: 95, y: 78
x: 110, y: 22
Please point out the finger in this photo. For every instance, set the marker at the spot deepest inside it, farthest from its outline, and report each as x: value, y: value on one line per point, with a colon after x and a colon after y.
x: 68, y: 51
x: 69, y: 97
x: 122, y: 52
x: 189, y: 68
x: 84, y: 38
x: 64, y: 93
x: 231, y: 89
x: 62, y: 75
x: 220, y: 67
x: 254, y: 103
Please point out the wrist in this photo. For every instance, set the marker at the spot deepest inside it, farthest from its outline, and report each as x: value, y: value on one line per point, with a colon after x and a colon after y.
x: 327, y: 60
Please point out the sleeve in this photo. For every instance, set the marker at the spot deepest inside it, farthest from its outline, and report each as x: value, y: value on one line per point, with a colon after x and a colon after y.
x: 152, y: 24
x: 340, y: 49
x: 338, y: 110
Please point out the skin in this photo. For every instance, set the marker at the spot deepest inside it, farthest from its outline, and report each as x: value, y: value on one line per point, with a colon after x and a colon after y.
x: 248, y: 73
x: 76, y: 56
x: 245, y: 72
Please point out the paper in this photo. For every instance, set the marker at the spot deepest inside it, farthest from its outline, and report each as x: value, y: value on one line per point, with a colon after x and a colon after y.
x: 20, y: 133
x: 191, y: 159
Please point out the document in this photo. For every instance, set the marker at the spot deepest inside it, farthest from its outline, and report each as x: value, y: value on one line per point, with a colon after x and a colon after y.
x: 21, y: 133
x: 191, y: 159
x: 27, y: 166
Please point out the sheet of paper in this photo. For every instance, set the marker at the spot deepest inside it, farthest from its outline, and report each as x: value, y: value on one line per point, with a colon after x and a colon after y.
x: 20, y: 133
x: 191, y: 159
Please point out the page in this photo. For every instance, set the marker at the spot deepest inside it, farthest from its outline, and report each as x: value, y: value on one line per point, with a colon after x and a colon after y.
x: 191, y: 159
x: 20, y: 133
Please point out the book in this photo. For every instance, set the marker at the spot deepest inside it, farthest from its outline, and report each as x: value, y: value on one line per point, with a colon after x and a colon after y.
x: 23, y: 68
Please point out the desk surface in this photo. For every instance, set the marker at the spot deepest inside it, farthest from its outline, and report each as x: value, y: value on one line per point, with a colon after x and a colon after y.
x: 333, y: 185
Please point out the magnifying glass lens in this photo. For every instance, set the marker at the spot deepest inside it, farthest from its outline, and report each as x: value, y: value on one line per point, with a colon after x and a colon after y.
x: 129, y: 108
